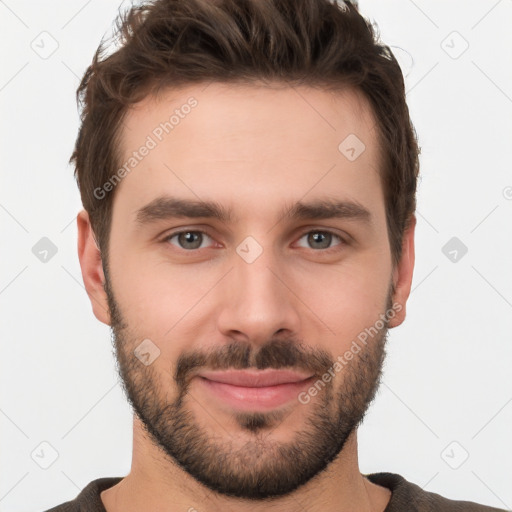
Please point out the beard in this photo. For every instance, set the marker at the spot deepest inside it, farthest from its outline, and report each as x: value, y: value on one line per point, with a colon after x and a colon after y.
x: 261, y: 467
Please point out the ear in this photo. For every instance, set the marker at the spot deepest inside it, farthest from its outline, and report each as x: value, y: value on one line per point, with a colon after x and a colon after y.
x: 402, y: 274
x: 92, y: 268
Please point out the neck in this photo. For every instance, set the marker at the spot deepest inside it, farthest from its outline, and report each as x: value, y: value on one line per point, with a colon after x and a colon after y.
x: 157, y: 483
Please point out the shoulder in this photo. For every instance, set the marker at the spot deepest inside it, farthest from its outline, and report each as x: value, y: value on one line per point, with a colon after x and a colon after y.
x: 411, y: 497
x: 89, y: 499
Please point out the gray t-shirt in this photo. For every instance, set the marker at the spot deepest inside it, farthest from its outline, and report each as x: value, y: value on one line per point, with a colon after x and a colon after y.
x: 405, y: 497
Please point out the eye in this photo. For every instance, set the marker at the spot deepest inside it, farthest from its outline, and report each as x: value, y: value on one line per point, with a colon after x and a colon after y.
x: 188, y: 239
x: 321, y: 239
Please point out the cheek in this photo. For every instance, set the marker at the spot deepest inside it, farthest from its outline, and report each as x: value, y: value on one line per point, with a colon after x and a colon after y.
x: 164, y: 301
x: 348, y: 299
x: 158, y: 299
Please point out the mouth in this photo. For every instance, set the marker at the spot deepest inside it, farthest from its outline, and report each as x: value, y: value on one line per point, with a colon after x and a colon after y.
x: 254, y: 390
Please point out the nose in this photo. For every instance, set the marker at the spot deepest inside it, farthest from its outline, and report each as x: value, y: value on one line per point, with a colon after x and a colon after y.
x: 258, y: 302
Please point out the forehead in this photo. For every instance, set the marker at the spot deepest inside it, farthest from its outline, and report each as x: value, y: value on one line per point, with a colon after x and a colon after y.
x: 244, y: 140
x: 220, y: 109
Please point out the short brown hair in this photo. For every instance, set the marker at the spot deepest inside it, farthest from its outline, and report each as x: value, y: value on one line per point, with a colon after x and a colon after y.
x: 173, y: 43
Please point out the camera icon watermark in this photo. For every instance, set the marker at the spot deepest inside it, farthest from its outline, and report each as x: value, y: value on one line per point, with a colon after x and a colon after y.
x: 454, y: 249
x: 351, y: 147
x: 44, y: 455
x: 249, y: 249
x: 44, y: 250
x: 44, y: 44
x: 454, y: 45
x: 146, y: 352
x: 507, y: 193
x: 455, y: 455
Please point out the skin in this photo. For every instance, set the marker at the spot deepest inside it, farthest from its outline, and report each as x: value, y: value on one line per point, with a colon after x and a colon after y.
x: 253, y: 149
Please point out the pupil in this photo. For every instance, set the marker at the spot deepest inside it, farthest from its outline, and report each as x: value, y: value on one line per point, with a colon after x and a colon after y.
x: 319, y: 238
x: 191, y: 238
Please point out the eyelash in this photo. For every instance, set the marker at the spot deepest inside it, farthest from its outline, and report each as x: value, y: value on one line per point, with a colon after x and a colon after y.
x: 342, y: 241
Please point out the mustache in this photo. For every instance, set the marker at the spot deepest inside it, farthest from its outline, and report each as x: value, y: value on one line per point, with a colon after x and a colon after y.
x: 276, y: 354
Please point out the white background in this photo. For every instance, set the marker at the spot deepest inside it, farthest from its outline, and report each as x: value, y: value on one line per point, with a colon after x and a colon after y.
x: 447, y: 377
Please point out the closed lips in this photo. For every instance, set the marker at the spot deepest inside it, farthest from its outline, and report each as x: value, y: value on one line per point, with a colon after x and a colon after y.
x: 255, y: 379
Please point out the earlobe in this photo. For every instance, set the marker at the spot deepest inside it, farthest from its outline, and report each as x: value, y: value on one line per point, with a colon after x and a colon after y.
x: 92, y: 268
x: 402, y: 275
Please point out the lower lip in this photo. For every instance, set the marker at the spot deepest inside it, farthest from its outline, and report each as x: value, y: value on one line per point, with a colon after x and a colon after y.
x: 265, y: 398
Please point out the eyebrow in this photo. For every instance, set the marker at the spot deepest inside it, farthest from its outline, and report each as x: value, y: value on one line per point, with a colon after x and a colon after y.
x: 167, y: 207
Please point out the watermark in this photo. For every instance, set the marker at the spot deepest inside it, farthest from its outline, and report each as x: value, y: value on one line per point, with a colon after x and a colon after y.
x: 455, y: 249
x: 352, y: 147
x: 146, y: 352
x: 454, y: 45
x: 249, y: 249
x: 157, y: 135
x: 44, y: 250
x: 304, y: 397
x: 44, y: 455
x: 455, y: 455
x: 44, y: 44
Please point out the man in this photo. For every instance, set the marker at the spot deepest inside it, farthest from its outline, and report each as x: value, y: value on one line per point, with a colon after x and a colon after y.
x: 248, y: 172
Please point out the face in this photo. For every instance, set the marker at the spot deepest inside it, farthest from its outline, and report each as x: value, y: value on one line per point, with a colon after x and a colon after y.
x: 251, y: 235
